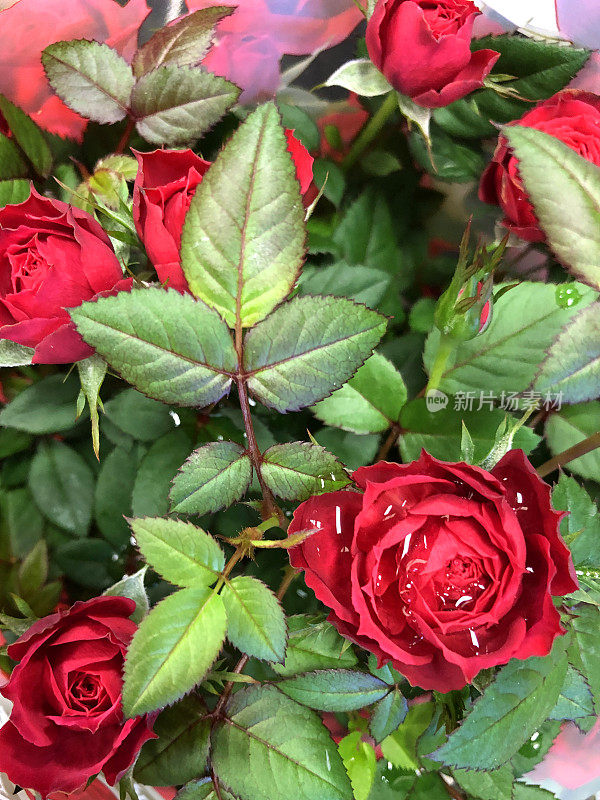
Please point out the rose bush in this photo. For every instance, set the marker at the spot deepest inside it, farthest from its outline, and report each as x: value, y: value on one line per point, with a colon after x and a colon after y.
x: 571, y: 116
x: 423, y: 49
x: 66, y: 723
x: 162, y: 193
x: 52, y: 257
x: 443, y: 569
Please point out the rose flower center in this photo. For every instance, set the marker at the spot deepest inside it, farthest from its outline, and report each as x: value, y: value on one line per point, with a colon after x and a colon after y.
x: 28, y: 268
x: 86, y: 692
x: 447, y: 17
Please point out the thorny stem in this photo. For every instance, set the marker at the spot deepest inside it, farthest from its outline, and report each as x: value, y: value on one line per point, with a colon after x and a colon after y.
x: 371, y: 129
x: 578, y: 450
x: 389, y: 442
x: 216, y: 786
x: 289, y: 577
x: 125, y: 137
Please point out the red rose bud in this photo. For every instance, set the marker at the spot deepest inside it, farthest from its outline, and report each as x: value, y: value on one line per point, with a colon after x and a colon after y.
x: 571, y: 116
x: 67, y: 723
x: 163, y: 190
x: 52, y: 257
x: 423, y: 49
x: 443, y: 569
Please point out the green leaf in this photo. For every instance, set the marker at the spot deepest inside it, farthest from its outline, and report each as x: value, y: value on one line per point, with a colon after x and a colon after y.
x: 175, y: 105
x: 353, y: 451
x: 387, y: 715
x: 28, y: 136
x: 90, y: 78
x: 400, y: 747
x: 114, y: 486
x: 568, y: 427
x: 12, y: 163
x: 453, y: 161
x: 86, y: 562
x: 285, y: 749
x: 330, y: 179
x: 360, y: 76
x: 581, y: 526
x: 360, y: 763
x: 202, y: 790
x: 564, y: 188
x: 586, y: 628
x: 305, y: 128
x: 243, y: 240
x: 495, y: 784
x: 22, y: 521
x: 47, y: 406
x: 181, y: 751
x: 155, y: 473
x: 13, y: 354
x: 429, y: 786
x: 62, y: 485
x: 182, y: 44
x: 179, y: 551
x: 575, y: 700
x: 213, y: 477
x: 370, y: 402
x: 132, y: 586
x: 308, y: 348
x: 334, y: 690
x: 173, y: 649
x: 139, y: 416
x: 506, y: 357
x: 572, y: 366
x: 13, y: 192
x: 512, y: 708
x: 33, y: 571
x: 255, y: 619
x: 298, y: 470
x: 366, y: 234
x: 314, y: 646
x: 522, y: 791
x: 168, y: 345
x: 361, y: 284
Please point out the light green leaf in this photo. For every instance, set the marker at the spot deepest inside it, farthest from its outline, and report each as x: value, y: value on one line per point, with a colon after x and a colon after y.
x: 153, y: 479
x: 388, y: 714
x: 510, y: 711
x: 415, y: 113
x: 314, y: 645
x: 370, y: 402
x: 506, y: 357
x: 575, y: 700
x: 360, y: 763
x: 62, y: 485
x: 184, y: 43
x: 183, y: 554
x: 572, y: 366
x: 308, y: 348
x: 255, y: 619
x: 14, y: 355
x: 213, y: 477
x: 335, y: 689
x: 298, y: 470
x: 564, y: 188
x: 400, y: 747
x: 568, y: 427
x: 132, y: 586
x: 581, y: 526
x: 92, y: 372
x: 168, y: 345
x: 495, y: 784
x: 173, y: 649
x: 91, y: 78
x: 243, y: 240
x: 586, y: 628
x: 360, y: 76
x: 12, y: 193
x: 181, y: 751
x: 29, y: 137
x: 285, y: 749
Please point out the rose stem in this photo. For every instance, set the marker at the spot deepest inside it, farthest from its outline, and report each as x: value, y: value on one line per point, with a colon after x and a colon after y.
x: 578, y: 450
x: 444, y: 350
x: 125, y: 137
x: 371, y: 129
x: 216, y: 786
x: 389, y: 443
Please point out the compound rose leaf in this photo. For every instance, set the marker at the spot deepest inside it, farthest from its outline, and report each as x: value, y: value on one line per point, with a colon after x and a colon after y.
x: 297, y: 470
x: 255, y: 619
x: 334, y: 689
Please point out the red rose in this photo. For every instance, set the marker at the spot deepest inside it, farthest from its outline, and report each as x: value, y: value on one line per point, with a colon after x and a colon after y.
x: 162, y: 193
x: 67, y: 724
x: 571, y: 116
x: 442, y: 569
x: 423, y: 49
x: 52, y: 257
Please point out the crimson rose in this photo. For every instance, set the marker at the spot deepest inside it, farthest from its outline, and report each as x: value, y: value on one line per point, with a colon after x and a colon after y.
x: 423, y: 49
x: 162, y: 193
x: 571, y: 116
x: 66, y: 723
x: 52, y: 257
x: 442, y: 569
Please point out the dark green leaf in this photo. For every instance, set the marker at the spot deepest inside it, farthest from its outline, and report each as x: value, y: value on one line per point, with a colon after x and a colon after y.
x: 366, y: 234
x: 390, y: 783
x: 28, y: 136
x: 285, y: 749
x: 168, y: 345
x: 11, y: 193
x: 155, y: 474
x: 388, y: 714
x: 307, y: 348
x: 329, y: 177
x: 352, y: 450
x: 33, y: 571
x: 181, y: 751
x: 453, y: 161
x: 173, y: 649
x: 586, y: 627
x: 214, y: 476
x: 243, y: 239
x: 575, y: 700
x: 177, y: 550
x: 298, y: 470
x: 202, y: 790
x: 132, y: 586
x: 304, y: 127
x: 24, y: 523
x: 581, y: 526
x: 47, y: 406
x: 334, y: 690
x: 312, y: 646
x: 90, y: 78
x: 113, y: 495
x: 360, y: 763
x: 139, y: 416
x: 494, y: 785
x: 428, y: 787
x: 522, y: 791
x: 62, y: 485
x: 175, y: 105
x: 12, y: 163
x: 568, y: 427
x: 255, y: 619
x: 85, y: 562
x: 12, y: 441
x: 362, y: 284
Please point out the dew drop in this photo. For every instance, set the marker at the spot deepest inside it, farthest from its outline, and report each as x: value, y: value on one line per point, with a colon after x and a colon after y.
x: 567, y: 295
x: 406, y: 544
x: 327, y: 760
x: 474, y: 638
x: 175, y: 417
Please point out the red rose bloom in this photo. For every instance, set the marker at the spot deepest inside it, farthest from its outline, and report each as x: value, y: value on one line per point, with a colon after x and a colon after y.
x: 442, y: 569
x: 162, y: 193
x: 571, y: 116
x: 67, y: 724
x: 423, y: 49
x: 52, y: 257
